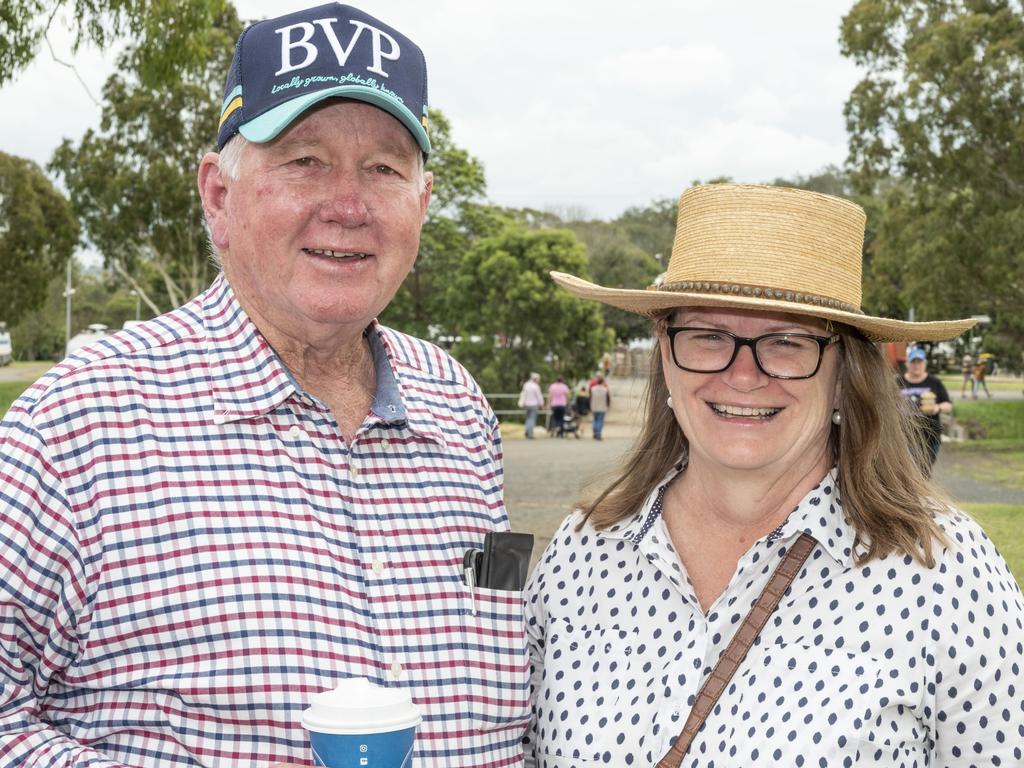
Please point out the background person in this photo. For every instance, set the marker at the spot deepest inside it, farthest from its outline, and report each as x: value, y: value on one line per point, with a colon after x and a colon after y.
x: 558, y: 400
x: 980, y: 371
x: 967, y: 372
x: 532, y: 399
x: 213, y: 516
x: 582, y: 402
x: 771, y: 413
x: 600, y: 402
x: 929, y: 398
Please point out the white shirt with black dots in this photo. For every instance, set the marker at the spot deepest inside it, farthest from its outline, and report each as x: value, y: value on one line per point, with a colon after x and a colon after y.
x: 887, y: 664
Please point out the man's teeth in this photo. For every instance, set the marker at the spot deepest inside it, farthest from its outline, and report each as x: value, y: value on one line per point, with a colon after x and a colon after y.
x: 732, y: 410
x: 336, y: 254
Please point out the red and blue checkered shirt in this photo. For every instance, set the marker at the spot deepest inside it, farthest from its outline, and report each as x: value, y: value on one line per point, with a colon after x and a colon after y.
x: 190, y: 550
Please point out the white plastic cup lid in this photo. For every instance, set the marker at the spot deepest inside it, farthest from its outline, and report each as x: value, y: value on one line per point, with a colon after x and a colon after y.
x: 358, y: 706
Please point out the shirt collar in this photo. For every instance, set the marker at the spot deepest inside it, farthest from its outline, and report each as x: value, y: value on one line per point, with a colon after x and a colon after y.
x: 819, y: 513
x: 249, y: 379
x: 387, y: 400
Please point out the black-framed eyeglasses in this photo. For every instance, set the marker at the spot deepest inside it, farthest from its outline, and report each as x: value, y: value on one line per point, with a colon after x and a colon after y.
x: 779, y: 355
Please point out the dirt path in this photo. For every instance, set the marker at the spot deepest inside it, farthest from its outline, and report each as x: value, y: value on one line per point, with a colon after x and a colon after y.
x: 544, y: 477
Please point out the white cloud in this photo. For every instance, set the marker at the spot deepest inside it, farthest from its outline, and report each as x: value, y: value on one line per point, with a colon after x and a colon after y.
x: 574, y: 103
x: 665, y: 71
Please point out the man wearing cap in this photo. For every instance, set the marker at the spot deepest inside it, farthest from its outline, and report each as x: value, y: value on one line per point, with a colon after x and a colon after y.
x: 211, y: 517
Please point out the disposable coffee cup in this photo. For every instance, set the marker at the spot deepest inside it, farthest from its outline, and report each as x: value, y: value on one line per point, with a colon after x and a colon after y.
x: 362, y: 725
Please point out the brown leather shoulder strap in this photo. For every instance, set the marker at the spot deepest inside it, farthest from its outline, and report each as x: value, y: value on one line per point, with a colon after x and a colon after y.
x: 738, y: 647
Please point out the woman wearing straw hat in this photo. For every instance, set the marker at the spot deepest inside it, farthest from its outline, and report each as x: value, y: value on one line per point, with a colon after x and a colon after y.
x: 770, y: 579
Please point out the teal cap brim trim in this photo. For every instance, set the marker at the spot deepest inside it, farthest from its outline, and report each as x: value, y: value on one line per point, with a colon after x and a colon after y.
x: 265, y: 127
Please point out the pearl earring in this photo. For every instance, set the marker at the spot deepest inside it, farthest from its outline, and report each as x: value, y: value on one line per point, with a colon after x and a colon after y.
x: 837, y: 417
x: 669, y: 401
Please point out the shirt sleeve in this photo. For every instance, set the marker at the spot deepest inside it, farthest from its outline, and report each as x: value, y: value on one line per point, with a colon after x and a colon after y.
x: 941, y: 395
x: 43, y: 600
x: 977, y: 629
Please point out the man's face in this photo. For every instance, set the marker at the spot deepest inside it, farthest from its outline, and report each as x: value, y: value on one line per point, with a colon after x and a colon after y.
x: 322, y: 224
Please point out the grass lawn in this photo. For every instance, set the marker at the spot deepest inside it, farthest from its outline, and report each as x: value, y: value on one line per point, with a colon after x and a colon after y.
x: 16, y: 378
x: 1004, y: 524
x: 995, y: 384
x: 991, y: 419
x: 9, y: 392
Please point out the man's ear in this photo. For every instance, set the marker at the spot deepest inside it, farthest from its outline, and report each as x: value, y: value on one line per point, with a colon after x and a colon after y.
x: 428, y: 189
x: 213, y: 193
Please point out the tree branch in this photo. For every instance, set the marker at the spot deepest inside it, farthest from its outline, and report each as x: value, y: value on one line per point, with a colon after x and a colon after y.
x: 72, y: 67
x: 116, y: 264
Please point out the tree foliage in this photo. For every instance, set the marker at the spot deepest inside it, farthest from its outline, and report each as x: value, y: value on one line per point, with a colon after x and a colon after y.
x: 651, y: 228
x: 38, y: 233
x: 170, y: 34
x: 941, y: 109
x: 133, y: 180
x: 616, y: 261
x: 458, y: 214
x: 511, y: 317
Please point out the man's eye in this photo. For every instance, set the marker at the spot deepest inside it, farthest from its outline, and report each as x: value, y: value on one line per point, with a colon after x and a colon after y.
x: 386, y: 170
x: 304, y: 162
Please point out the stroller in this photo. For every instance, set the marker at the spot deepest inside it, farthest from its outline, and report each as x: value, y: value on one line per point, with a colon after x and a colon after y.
x: 570, y: 423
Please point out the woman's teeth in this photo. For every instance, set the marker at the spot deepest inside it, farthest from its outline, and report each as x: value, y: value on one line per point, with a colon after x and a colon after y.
x: 756, y: 413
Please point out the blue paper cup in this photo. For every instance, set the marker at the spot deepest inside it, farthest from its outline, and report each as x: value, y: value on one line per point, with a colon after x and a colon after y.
x: 391, y: 749
x: 362, y: 725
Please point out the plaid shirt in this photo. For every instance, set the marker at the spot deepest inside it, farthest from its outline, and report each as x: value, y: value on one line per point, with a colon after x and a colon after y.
x: 190, y: 551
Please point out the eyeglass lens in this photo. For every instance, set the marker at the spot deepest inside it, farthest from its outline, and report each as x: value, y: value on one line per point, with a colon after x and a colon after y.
x: 784, y: 355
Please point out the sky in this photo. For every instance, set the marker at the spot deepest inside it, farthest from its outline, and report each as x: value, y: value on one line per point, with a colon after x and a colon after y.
x: 579, y: 107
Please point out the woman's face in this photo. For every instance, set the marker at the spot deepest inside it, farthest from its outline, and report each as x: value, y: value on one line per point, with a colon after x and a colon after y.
x: 743, y: 419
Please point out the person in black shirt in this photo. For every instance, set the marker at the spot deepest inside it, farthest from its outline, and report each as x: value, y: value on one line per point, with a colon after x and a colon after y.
x: 929, y: 396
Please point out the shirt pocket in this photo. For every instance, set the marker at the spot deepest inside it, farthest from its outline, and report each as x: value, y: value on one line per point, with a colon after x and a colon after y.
x: 496, y: 661
x: 586, y: 675
x: 790, y: 702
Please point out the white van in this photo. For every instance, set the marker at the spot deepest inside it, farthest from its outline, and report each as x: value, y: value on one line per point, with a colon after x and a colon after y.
x: 6, y: 351
x: 88, y: 336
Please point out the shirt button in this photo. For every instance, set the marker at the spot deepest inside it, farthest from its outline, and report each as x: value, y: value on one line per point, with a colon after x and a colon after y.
x: 378, y: 566
x: 295, y: 433
x: 385, y: 441
x: 353, y: 471
x: 396, y: 670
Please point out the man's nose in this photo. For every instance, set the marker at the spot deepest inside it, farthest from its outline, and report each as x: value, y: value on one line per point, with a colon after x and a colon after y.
x: 345, y: 201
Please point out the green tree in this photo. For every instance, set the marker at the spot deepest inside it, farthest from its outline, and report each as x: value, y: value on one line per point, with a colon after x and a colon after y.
x: 652, y: 228
x: 510, y: 316
x: 38, y: 233
x: 133, y: 180
x: 170, y: 33
x: 456, y: 217
x: 617, y: 261
x: 939, y: 109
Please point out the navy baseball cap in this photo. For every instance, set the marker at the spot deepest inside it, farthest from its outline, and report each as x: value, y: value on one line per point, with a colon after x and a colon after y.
x: 916, y: 354
x: 285, y: 65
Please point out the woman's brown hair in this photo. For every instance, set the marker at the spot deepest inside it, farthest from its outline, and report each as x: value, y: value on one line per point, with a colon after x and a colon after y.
x: 878, y: 449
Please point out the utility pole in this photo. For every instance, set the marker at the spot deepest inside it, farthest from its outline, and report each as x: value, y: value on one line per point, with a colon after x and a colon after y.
x: 68, y: 293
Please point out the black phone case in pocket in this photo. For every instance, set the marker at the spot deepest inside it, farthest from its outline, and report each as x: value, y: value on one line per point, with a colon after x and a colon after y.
x: 505, y: 561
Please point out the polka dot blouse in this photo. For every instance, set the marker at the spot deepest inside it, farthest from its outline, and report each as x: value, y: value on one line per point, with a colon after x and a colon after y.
x: 887, y: 664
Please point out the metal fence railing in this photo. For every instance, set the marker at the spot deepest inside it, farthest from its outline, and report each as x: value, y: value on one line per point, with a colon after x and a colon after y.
x: 515, y: 411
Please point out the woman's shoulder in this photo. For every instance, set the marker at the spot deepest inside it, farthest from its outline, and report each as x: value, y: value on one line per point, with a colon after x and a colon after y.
x: 970, y: 551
